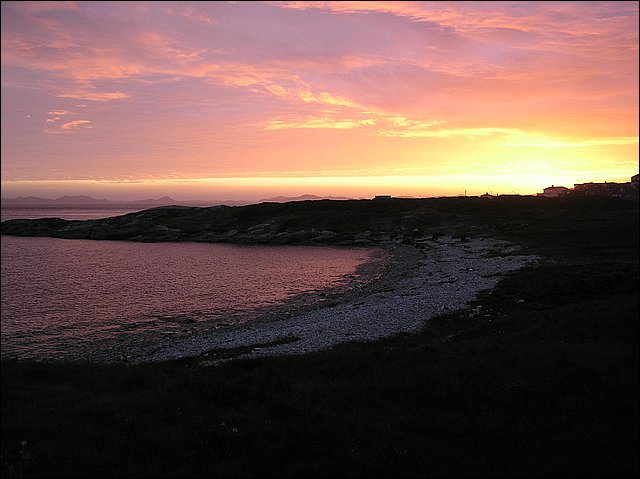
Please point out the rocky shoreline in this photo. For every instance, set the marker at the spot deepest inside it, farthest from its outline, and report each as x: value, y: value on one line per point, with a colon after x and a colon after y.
x: 405, y: 287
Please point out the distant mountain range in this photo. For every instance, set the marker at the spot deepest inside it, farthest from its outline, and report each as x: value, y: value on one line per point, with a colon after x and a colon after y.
x: 83, y: 200
x: 63, y: 200
x: 165, y: 200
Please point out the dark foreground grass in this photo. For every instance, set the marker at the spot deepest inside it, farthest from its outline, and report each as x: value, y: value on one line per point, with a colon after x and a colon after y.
x: 537, y: 378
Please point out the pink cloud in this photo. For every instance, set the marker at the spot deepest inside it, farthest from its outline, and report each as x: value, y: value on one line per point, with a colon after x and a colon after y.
x: 76, y: 124
x: 94, y: 95
x: 319, y: 123
x: 205, y: 88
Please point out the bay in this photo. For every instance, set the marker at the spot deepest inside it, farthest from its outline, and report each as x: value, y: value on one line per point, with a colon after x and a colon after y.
x: 77, y: 298
x: 80, y: 212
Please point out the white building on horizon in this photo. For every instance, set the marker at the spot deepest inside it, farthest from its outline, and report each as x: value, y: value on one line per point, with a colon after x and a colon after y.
x: 554, y: 191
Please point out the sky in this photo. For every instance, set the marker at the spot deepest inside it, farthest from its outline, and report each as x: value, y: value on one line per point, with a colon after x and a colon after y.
x: 245, y: 100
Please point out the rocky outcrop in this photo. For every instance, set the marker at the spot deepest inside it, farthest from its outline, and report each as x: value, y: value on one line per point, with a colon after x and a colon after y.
x: 262, y: 224
x: 141, y: 229
x: 351, y: 222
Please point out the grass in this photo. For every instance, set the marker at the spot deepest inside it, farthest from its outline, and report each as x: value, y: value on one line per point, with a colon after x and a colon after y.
x: 537, y: 378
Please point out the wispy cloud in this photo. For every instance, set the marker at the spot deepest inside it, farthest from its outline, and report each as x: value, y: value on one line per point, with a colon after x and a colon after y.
x: 94, y: 95
x: 76, y: 124
x: 424, y: 130
x: 490, y: 17
x: 319, y: 123
x: 60, y: 112
x: 195, y: 89
x: 520, y: 140
x: 507, y: 137
x: 57, y: 115
x: 307, y: 96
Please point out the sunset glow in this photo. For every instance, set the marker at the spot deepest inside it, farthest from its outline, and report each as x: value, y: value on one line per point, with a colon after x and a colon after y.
x: 246, y: 100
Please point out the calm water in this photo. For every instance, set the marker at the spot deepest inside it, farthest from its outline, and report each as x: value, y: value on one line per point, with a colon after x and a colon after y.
x: 66, y: 212
x: 62, y: 298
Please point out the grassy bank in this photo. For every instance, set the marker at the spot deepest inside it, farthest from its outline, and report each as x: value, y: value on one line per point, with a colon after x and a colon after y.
x: 537, y: 378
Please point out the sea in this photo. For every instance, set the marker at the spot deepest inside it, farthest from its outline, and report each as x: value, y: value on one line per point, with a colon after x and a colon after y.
x: 70, y: 299
x: 78, y: 212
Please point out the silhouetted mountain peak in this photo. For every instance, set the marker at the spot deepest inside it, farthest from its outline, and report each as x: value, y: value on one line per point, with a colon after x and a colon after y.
x: 165, y: 200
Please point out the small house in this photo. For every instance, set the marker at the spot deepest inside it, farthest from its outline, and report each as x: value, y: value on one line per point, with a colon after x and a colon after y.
x: 554, y: 191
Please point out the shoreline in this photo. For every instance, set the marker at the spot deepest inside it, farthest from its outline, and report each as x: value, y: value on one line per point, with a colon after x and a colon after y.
x: 396, y: 291
x: 408, y: 286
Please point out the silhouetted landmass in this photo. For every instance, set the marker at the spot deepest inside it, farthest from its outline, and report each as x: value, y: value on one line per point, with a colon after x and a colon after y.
x: 62, y: 201
x: 285, y: 199
x: 350, y: 222
x: 83, y: 200
x: 165, y: 200
x: 537, y: 378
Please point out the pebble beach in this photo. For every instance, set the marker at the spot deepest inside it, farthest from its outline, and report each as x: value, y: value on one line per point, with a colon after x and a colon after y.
x: 398, y: 291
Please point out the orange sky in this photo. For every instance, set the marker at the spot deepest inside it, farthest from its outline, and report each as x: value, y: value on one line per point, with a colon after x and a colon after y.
x: 243, y: 100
